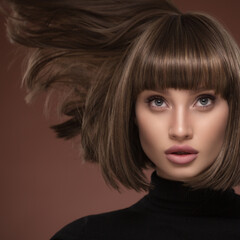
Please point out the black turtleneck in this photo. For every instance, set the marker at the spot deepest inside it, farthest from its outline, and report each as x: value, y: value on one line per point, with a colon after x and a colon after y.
x: 170, y: 211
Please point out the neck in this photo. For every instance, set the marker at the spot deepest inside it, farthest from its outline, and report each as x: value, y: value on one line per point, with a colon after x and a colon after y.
x: 173, y: 196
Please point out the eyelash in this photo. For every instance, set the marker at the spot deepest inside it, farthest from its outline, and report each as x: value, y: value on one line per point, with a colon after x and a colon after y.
x: 208, y: 96
x: 211, y: 97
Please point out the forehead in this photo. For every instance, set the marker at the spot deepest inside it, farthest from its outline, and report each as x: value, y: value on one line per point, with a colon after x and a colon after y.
x: 169, y: 91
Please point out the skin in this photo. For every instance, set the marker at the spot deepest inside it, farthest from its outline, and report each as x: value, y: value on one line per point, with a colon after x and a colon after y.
x: 181, y: 117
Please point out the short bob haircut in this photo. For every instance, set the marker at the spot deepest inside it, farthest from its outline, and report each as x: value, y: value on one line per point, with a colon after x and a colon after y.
x: 181, y: 51
x: 154, y: 47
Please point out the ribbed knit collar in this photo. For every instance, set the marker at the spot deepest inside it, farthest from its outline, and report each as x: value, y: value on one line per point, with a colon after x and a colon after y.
x: 174, y: 197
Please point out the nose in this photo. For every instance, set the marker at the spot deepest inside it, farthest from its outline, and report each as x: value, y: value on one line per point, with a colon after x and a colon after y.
x: 180, y: 127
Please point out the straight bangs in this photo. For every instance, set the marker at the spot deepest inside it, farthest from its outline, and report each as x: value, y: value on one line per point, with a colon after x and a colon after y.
x: 182, y: 52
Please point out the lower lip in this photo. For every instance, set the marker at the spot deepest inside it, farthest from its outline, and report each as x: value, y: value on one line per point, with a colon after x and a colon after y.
x: 181, y: 159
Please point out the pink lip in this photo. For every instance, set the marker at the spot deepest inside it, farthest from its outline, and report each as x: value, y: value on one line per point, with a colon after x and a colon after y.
x: 191, y: 154
x: 178, y: 148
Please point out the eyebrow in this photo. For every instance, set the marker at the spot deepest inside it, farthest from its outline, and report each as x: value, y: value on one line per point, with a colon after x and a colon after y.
x: 192, y: 92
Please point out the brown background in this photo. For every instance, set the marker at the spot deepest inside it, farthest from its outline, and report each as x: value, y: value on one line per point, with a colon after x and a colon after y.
x: 43, y: 183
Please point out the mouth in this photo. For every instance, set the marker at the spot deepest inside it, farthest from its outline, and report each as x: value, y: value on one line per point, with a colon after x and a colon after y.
x: 181, y: 154
x: 181, y: 150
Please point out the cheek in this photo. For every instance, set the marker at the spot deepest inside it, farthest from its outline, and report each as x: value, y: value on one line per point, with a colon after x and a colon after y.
x: 212, y: 131
x: 151, y: 133
x: 147, y: 132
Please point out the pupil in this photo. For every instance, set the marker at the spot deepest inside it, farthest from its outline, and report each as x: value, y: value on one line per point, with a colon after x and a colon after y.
x: 158, y: 102
x: 204, y: 101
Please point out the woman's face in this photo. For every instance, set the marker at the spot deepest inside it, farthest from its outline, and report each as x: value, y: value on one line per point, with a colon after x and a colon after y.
x: 181, y: 131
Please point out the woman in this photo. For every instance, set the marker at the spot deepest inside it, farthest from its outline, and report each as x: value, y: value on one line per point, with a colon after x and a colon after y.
x: 149, y: 86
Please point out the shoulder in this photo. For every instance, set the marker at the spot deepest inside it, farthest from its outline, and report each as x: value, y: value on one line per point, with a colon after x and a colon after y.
x: 102, y: 226
x: 72, y: 231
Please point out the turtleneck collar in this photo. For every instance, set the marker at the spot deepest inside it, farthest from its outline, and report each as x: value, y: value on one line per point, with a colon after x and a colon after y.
x: 173, y: 197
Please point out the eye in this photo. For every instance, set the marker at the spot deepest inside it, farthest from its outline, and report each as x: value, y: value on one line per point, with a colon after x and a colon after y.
x: 156, y: 102
x: 205, y: 101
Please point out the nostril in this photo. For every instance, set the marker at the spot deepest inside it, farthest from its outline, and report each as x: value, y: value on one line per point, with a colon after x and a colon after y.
x: 176, y: 134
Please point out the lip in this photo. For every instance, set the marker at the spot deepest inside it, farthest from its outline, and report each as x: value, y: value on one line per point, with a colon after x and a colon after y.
x: 179, y: 148
x: 191, y: 154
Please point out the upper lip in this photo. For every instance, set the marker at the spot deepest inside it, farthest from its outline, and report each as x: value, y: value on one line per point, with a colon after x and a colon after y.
x: 178, y: 148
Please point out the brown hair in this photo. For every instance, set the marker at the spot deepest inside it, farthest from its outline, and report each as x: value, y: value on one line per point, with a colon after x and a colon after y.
x: 106, y: 53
